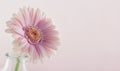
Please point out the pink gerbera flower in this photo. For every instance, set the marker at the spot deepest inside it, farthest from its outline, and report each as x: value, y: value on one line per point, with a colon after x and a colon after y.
x: 36, y: 35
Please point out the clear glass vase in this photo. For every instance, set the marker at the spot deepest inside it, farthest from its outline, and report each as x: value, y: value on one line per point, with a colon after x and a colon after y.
x: 15, y: 63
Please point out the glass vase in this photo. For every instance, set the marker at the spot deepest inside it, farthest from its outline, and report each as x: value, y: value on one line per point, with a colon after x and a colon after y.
x: 15, y: 63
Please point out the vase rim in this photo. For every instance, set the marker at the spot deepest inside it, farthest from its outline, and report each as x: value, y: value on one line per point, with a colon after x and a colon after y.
x: 12, y: 55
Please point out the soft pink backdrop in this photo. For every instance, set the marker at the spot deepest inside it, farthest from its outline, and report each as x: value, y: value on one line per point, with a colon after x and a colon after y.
x: 89, y: 32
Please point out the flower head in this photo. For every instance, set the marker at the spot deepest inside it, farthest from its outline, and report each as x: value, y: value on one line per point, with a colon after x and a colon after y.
x: 35, y: 33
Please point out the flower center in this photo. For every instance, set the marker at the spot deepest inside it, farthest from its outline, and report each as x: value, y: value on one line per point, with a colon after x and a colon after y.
x: 33, y: 34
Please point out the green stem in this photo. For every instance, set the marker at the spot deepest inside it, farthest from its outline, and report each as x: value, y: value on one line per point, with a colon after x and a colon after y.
x: 17, y: 64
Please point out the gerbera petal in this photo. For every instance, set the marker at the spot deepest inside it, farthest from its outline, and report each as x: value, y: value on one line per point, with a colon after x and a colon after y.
x: 36, y: 52
x: 25, y: 15
x: 12, y: 24
x: 14, y: 32
x: 35, y: 16
x: 31, y: 13
x: 18, y: 20
x: 14, y: 27
x: 50, y: 33
x: 43, y: 24
x: 47, y: 51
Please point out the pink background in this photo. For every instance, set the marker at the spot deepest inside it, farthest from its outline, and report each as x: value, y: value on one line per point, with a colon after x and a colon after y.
x: 89, y: 32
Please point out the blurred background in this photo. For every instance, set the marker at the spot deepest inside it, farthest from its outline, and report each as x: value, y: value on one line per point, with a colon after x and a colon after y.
x: 89, y: 32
